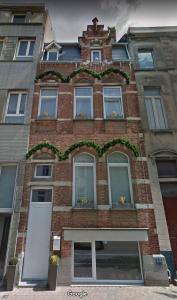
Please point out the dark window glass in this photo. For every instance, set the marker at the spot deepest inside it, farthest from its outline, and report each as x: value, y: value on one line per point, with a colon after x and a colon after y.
x: 43, y: 171
x: 117, y: 261
x: 19, y: 19
x: 167, y: 168
x: 42, y: 195
x: 169, y: 189
x: 119, y: 53
x: 7, y: 185
x: 82, y: 260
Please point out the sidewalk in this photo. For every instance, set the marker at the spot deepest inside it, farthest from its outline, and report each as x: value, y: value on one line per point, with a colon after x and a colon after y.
x: 94, y: 293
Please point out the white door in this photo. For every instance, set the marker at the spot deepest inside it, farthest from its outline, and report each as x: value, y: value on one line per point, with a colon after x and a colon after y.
x: 36, y: 258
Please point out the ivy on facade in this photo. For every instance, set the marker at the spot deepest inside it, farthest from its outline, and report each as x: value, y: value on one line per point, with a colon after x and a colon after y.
x: 100, y: 149
x: 98, y: 75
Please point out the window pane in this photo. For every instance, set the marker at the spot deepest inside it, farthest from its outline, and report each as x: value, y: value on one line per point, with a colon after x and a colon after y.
x: 1, y: 45
x: 12, y: 104
x: 84, y: 186
x: 84, y: 158
x: 117, y: 158
x: 43, y: 170
x: 96, y: 56
x: 45, y: 92
x: 18, y: 19
x: 82, y: 260
x: 83, y: 91
x: 117, y: 261
x: 120, y: 189
x: 160, y: 114
x: 31, y: 48
x: 167, y: 168
x: 112, y: 91
x: 145, y: 60
x: 119, y: 53
x: 150, y: 113
x: 48, y: 107
x: 52, y: 56
x: 23, y: 48
x: 14, y: 119
x: 113, y: 109
x: 169, y: 189
x: 152, y: 92
x: 41, y: 195
x: 83, y: 107
x: 22, y: 104
x: 7, y: 185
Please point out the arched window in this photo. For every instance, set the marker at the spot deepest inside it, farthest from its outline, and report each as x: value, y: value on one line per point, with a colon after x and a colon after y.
x: 120, y: 188
x: 84, y: 192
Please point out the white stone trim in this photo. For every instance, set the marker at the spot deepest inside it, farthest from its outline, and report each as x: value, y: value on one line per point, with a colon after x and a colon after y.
x: 62, y: 208
x: 144, y: 206
x: 141, y: 181
x: 102, y: 182
x: 52, y: 183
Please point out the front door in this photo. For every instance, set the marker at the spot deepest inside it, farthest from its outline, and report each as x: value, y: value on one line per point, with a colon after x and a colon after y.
x: 38, y: 238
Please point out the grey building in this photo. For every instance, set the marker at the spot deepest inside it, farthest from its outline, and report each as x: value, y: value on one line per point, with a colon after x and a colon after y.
x: 22, y: 32
x: 153, y: 54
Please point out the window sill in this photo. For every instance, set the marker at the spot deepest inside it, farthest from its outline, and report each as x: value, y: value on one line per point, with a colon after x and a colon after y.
x: 123, y: 208
x: 161, y: 131
x: 84, y: 208
x: 83, y: 119
x: 46, y: 119
x: 114, y: 119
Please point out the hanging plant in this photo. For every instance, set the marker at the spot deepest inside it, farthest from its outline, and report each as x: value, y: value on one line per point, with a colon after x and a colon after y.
x: 98, y: 75
x: 100, y: 149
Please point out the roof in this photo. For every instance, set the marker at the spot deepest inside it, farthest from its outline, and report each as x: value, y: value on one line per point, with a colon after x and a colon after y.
x: 68, y: 52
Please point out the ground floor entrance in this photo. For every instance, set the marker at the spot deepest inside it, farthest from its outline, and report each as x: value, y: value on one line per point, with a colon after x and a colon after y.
x: 4, y: 235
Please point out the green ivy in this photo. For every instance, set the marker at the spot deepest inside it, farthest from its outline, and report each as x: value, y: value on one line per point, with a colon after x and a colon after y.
x: 101, y: 149
x: 98, y: 75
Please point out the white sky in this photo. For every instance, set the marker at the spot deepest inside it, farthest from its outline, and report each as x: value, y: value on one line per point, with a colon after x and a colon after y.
x: 70, y: 17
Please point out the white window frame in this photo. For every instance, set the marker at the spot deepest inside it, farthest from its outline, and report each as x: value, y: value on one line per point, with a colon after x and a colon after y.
x: 19, y: 93
x: 38, y: 165
x: 77, y: 164
x: 93, y: 278
x: 156, y: 119
x: 152, y: 55
x: 40, y: 101
x: 40, y: 188
x: 104, y: 106
x: 12, y: 19
x: 27, y: 49
x: 52, y: 50
x: 86, y: 97
x: 10, y: 210
x: 129, y: 178
x: 100, y: 58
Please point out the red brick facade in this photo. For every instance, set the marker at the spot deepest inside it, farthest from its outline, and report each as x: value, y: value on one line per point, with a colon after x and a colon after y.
x: 65, y: 130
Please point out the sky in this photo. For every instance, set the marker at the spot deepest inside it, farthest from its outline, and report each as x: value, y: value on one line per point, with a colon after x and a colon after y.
x: 70, y: 17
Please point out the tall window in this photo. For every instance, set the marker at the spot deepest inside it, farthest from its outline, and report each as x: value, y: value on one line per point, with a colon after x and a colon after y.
x: 154, y: 107
x: 113, y: 108
x: 48, y: 103
x: 16, y: 107
x: 84, y: 181
x: 83, y: 102
x: 120, y: 189
x: 7, y: 186
x: 25, y: 48
x: 145, y: 58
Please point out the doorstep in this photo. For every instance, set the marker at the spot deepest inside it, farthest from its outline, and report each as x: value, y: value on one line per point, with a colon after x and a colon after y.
x: 33, y: 283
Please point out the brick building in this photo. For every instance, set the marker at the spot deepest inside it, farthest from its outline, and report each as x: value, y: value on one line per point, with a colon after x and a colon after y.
x: 86, y: 179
